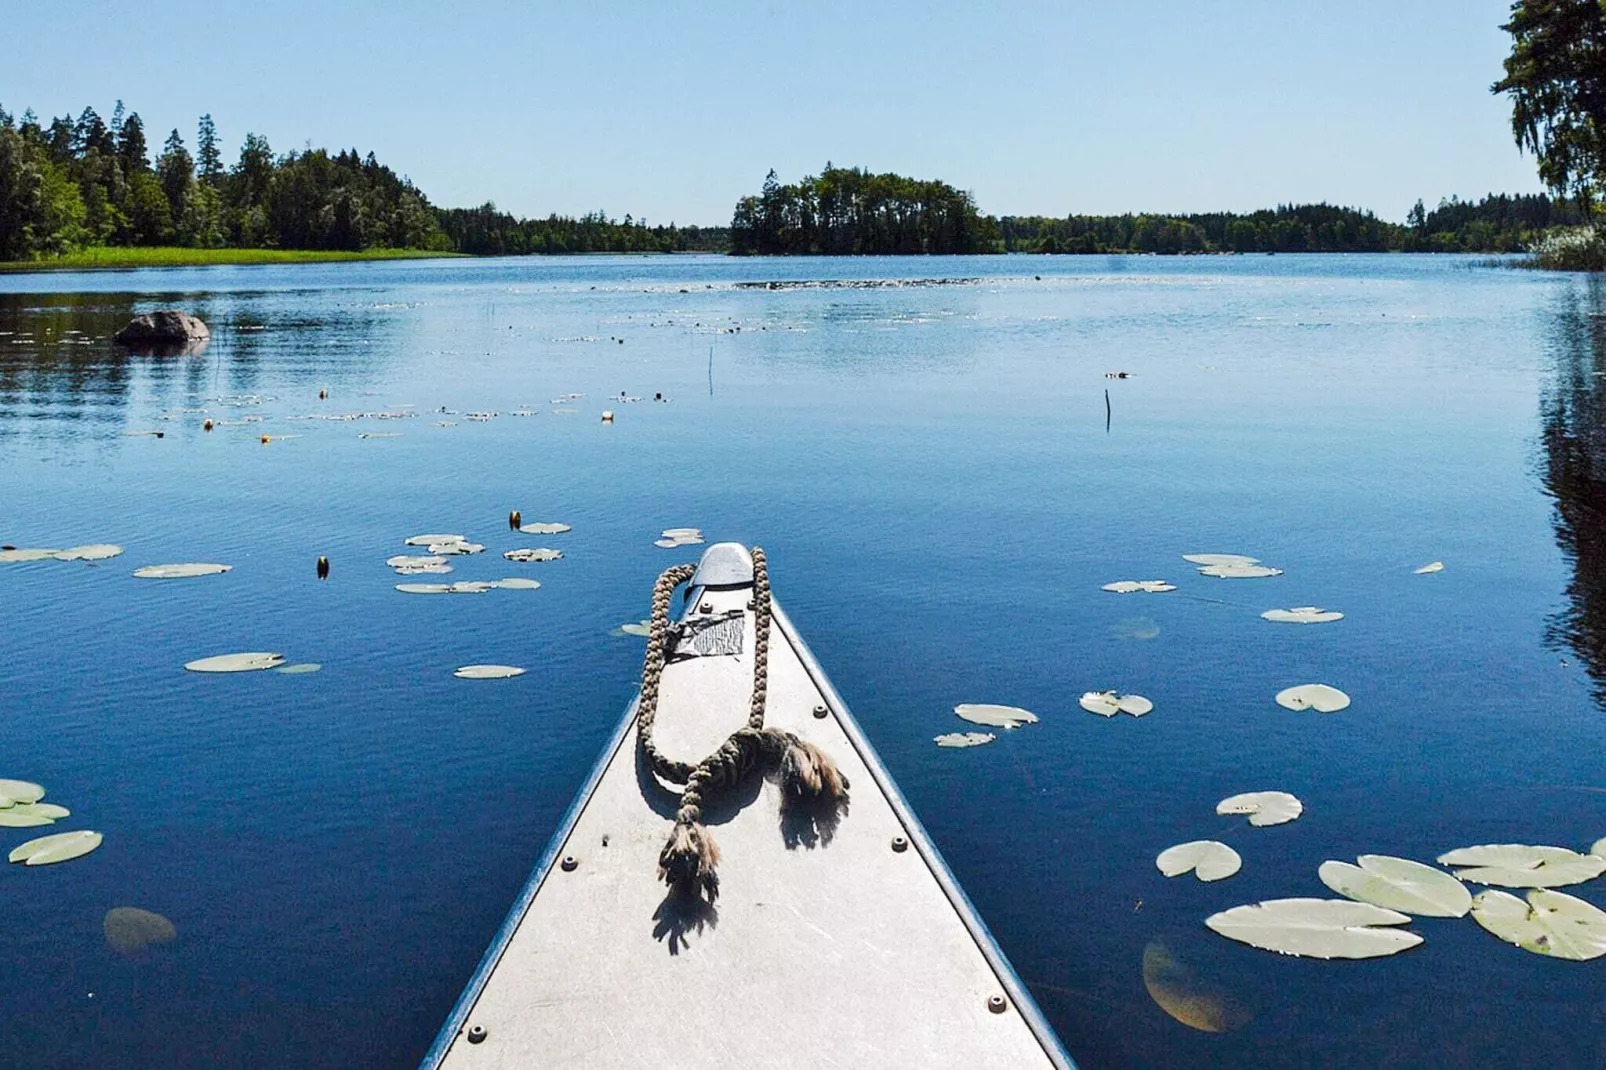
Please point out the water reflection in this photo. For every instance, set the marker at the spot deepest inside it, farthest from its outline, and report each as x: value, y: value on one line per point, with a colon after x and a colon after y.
x: 1573, y: 417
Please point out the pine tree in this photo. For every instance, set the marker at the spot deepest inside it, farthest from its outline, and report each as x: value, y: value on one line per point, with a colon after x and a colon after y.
x: 209, y: 159
x: 131, y: 146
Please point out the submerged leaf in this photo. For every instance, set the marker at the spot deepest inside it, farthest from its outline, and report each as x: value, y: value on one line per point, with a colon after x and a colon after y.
x: 488, y: 672
x: 299, y: 669
x: 1263, y: 807
x: 1135, y: 628
x: 1302, y: 615
x: 1549, y: 923
x: 995, y: 716
x: 182, y: 571
x: 642, y: 629
x: 1399, y: 884
x: 964, y: 739
x: 60, y: 847
x: 248, y: 662
x: 1318, y: 697
x: 130, y: 930
x: 1316, y: 928
x: 1176, y: 990
x: 1210, y: 860
x: 1518, y: 865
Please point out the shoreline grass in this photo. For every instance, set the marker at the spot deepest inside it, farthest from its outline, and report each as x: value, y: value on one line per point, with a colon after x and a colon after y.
x: 122, y: 258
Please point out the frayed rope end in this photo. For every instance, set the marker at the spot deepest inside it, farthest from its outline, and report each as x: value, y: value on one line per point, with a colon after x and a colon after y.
x: 807, y: 772
x: 688, y: 860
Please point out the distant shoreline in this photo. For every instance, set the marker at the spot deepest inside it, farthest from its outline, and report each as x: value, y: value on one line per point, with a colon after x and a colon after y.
x: 123, y: 258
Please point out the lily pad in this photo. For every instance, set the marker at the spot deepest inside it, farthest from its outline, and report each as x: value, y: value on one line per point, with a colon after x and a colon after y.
x: 643, y: 629
x: 24, y: 816
x: 1210, y: 860
x: 1549, y: 923
x: 1318, y: 697
x: 1134, y: 586
x: 95, y: 552
x: 1398, y: 884
x: 1302, y: 615
x: 424, y: 588
x: 300, y: 669
x: 995, y: 716
x: 415, y: 561
x: 1316, y: 928
x: 544, y: 529
x: 130, y: 930
x: 19, y: 791
x: 1220, y: 559
x: 60, y: 847
x: 1517, y: 865
x: 488, y: 672
x: 184, y: 571
x: 1430, y: 568
x: 27, y: 555
x: 1264, y: 808
x: 1178, y: 991
x: 248, y: 662
x: 535, y: 554
x: 1240, y: 572
x: 518, y: 583
x: 455, y: 548
x: 426, y: 540
x: 681, y: 533
x: 1108, y: 704
x: 964, y: 739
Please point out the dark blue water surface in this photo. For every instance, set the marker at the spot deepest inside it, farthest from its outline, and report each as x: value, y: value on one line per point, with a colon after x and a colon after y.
x: 930, y: 470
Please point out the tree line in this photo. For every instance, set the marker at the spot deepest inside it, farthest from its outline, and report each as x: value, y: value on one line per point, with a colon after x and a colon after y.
x: 487, y: 231
x: 87, y: 182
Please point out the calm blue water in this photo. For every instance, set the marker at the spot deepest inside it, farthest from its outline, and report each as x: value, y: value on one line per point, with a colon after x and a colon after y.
x: 931, y: 473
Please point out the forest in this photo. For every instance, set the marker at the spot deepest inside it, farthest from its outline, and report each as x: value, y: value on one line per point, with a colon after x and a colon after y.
x: 850, y: 211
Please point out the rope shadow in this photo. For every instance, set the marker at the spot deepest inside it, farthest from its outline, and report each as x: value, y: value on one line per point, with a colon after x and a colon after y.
x: 680, y: 913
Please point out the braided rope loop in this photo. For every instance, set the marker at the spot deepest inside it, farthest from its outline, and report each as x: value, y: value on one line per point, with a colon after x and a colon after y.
x: 690, y: 857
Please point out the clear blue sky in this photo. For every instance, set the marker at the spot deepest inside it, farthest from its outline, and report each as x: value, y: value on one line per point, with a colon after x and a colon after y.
x: 671, y: 110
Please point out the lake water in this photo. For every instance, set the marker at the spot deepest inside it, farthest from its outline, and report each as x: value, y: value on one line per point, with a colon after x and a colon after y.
x: 933, y: 474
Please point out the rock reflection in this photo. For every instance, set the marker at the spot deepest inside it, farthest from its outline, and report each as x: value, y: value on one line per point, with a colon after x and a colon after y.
x: 1573, y: 416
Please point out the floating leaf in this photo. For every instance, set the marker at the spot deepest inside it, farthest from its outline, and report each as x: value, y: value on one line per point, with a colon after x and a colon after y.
x: 1210, y: 860
x: 424, y: 588
x: 23, y: 816
x: 27, y: 555
x: 426, y: 540
x: 1517, y: 865
x: 537, y: 554
x: 1220, y: 559
x: 130, y: 930
x: 1263, y: 807
x: 95, y: 552
x: 1108, y: 703
x: 518, y: 583
x: 60, y: 847
x: 1316, y: 928
x: 1549, y: 923
x: 1302, y: 615
x: 300, y: 669
x: 995, y: 716
x: 248, y: 662
x: 456, y: 548
x: 1430, y: 568
x: 1240, y: 572
x: 1176, y: 990
x: 414, y: 561
x: 1598, y: 850
x: 487, y: 672
x: 682, y: 533
x: 544, y: 529
x: 964, y: 739
x: 1318, y: 697
x: 19, y: 791
x: 183, y: 571
x: 1134, y: 586
x: 1399, y: 884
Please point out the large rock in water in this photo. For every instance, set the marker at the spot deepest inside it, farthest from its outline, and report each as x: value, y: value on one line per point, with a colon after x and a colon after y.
x: 165, y: 328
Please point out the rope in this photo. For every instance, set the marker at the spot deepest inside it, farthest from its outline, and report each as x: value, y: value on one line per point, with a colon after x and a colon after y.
x: 689, y: 859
